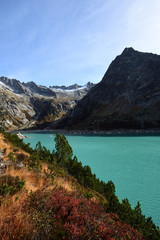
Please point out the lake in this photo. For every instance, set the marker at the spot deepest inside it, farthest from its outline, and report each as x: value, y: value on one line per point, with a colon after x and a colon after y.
x: 131, y: 162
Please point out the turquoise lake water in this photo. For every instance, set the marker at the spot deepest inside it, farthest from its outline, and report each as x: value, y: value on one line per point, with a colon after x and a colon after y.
x: 131, y: 162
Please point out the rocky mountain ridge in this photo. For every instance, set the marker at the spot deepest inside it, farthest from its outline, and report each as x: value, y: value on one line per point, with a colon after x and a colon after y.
x: 73, y: 87
x: 128, y: 96
x: 28, y: 105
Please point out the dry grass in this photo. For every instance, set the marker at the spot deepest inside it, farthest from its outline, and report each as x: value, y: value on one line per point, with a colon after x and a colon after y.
x: 10, y: 148
x: 5, y: 145
x: 13, y: 222
x: 12, y: 218
x: 10, y: 203
x: 66, y: 184
x: 33, y: 181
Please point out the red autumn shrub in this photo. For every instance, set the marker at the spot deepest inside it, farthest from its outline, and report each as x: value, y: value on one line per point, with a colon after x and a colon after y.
x: 60, y: 215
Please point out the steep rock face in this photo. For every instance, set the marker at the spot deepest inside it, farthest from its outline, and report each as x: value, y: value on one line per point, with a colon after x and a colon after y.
x: 127, y: 97
x: 41, y: 90
x: 15, y: 110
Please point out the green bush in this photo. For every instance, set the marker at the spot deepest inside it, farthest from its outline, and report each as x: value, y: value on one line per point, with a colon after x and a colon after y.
x: 88, y: 195
x: 34, y: 163
x: 17, y: 142
x: 10, y: 185
x: 12, y: 157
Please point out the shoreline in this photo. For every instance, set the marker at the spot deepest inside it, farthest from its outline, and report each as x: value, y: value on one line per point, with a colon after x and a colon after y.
x: 115, y: 132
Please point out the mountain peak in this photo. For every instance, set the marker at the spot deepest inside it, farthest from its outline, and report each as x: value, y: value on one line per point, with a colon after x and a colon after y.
x: 128, y: 51
x: 31, y: 83
x: 128, y: 96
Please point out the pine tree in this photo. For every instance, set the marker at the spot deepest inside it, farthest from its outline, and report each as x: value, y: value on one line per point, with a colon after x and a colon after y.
x: 64, y: 151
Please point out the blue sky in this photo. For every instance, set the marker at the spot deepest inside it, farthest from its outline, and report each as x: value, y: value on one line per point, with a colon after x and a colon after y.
x: 66, y: 41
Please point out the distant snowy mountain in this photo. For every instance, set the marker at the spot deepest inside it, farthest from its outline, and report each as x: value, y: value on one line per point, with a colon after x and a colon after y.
x: 71, y: 87
x: 27, y: 105
x: 73, y: 91
x: 74, y: 87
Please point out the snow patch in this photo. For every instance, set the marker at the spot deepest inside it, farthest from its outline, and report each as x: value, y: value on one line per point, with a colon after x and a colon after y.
x: 68, y: 90
x: 5, y: 87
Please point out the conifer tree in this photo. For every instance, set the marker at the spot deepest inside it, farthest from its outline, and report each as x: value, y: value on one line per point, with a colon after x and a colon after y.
x: 64, y: 151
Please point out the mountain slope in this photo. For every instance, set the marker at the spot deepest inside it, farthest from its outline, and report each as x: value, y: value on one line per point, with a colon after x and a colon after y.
x: 28, y: 105
x: 39, y: 196
x: 127, y: 97
x: 41, y: 200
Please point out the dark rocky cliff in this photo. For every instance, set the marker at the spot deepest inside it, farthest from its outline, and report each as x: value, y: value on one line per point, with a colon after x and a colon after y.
x: 127, y: 97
